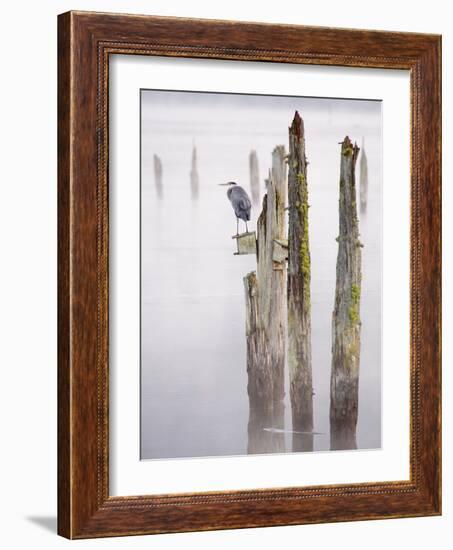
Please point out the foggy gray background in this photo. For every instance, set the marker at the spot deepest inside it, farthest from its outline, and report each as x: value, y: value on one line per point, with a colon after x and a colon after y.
x: 193, y: 365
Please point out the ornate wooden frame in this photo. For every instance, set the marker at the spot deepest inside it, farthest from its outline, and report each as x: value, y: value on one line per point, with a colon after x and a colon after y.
x: 85, y: 41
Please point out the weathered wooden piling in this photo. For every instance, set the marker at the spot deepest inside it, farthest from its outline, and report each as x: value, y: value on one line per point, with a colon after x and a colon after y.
x: 158, y: 175
x: 271, y: 267
x: 299, y: 275
x: 344, y: 384
x: 194, y: 178
x: 254, y: 177
x: 260, y: 383
x: 363, y: 178
x: 265, y: 292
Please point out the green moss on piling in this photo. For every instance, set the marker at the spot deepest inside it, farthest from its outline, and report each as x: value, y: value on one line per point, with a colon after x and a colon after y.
x: 354, y: 316
x: 304, y: 251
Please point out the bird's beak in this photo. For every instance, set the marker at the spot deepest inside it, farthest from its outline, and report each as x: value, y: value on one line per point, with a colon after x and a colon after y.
x: 223, y: 184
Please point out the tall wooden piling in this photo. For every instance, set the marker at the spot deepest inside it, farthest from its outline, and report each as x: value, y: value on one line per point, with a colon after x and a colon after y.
x: 363, y: 178
x: 299, y: 275
x: 265, y: 292
x: 344, y: 385
x: 158, y: 175
x: 254, y: 177
x: 271, y: 269
x: 194, y: 178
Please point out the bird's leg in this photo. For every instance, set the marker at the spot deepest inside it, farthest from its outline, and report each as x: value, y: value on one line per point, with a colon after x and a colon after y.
x: 246, y: 228
x: 237, y: 226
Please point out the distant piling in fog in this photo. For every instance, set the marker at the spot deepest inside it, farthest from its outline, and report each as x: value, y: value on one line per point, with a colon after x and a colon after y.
x: 254, y: 177
x: 265, y: 292
x: 363, y: 179
x: 194, y: 178
x: 299, y: 277
x: 158, y: 175
x: 346, y: 324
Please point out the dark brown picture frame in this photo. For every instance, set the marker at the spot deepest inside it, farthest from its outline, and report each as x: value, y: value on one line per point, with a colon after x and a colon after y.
x: 85, y: 42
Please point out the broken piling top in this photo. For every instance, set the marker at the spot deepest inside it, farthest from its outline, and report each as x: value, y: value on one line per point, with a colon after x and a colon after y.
x: 297, y: 130
x: 348, y: 210
x: 297, y: 125
x: 349, y: 150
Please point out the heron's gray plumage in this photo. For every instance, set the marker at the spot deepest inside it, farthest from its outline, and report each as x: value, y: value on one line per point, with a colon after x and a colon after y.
x: 240, y: 202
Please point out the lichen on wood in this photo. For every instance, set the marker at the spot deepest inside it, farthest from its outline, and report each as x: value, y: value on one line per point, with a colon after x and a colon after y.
x: 299, y: 278
x: 346, y: 324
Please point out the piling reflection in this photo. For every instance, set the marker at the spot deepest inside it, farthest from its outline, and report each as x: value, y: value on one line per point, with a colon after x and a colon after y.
x: 303, y: 442
x: 266, y: 429
x: 343, y: 438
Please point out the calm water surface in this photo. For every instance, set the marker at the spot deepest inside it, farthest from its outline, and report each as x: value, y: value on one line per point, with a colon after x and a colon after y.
x: 194, y: 382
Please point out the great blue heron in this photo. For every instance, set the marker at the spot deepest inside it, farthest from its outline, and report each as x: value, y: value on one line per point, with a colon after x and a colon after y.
x: 240, y: 202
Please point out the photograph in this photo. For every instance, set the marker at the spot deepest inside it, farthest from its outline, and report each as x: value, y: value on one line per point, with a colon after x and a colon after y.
x: 261, y: 274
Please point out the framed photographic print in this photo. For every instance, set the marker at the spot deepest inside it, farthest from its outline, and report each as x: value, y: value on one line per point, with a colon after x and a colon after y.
x: 249, y: 275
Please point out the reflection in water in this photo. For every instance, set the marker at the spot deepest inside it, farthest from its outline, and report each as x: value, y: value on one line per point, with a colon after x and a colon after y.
x: 266, y: 429
x: 266, y: 432
x: 344, y: 413
x: 303, y: 442
x: 344, y: 438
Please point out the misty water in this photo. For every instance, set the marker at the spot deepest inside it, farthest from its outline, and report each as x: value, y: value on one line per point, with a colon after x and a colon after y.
x: 193, y: 350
